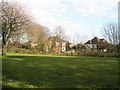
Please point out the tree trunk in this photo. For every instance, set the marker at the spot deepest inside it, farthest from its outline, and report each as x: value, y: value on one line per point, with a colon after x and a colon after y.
x: 4, y: 50
x: 4, y: 46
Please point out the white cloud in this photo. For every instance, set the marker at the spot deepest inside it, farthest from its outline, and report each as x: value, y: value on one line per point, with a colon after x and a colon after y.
x: 82, y: 7
x: 49, y: 13
x: 52, y: 6
x: 95, y: 7
x: 51, y: 21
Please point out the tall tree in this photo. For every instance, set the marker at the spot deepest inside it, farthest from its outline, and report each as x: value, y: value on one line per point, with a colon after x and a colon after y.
x: 37, y: 34
x: 112, y: 34
x: 59, y: 31
x: 14, y: 21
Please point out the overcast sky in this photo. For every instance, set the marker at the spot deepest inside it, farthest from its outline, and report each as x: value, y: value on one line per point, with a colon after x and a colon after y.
x: 78, y: 17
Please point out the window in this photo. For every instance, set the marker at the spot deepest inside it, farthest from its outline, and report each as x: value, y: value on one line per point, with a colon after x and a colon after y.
x: 63, y: 43
x: 63, y: 49
x: 57, y: 43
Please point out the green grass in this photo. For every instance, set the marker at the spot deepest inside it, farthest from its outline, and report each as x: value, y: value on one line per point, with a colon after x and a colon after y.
x: 48, y: 71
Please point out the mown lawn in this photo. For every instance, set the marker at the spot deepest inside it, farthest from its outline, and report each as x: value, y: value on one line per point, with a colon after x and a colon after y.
x: 47, y: 71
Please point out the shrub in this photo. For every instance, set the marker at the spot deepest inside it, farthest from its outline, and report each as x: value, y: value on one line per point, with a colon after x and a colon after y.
x: 98, y: 53
x: 77, y: 53
x: 22, y: 50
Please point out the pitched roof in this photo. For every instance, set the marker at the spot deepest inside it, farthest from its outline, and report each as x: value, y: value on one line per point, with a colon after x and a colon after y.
x: 96, y: 40
x: 103, y: 41
x: 55, y: 38
x: 89, y: 42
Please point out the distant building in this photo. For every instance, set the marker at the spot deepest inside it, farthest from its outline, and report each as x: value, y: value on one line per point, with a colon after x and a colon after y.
x: 82, y: 47
x: 97, y: 44
x: 79, y: 46
x: 71, y: 45
x: 56, y: 44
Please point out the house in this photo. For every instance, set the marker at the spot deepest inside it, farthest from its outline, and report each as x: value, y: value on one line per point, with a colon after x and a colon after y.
x: 79, y: 46
x: 56, y: 44
x: 97, y: 44
x: 71, y: 45
x: 82, y: 47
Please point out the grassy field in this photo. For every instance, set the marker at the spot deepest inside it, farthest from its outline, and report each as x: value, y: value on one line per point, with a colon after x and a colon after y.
x: 47, y: 71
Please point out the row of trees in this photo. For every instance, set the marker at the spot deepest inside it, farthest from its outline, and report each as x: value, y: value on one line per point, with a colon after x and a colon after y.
x: 16, y: 23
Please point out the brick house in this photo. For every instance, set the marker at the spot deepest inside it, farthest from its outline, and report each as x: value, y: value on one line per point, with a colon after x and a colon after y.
x: 56, y: 44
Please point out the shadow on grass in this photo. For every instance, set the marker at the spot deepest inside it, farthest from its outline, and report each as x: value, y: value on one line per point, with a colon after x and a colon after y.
x: 56, y: 72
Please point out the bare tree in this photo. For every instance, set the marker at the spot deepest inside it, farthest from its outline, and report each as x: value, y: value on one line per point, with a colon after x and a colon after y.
x: 14, y: 21
x: 59, y: 31
x: 112, y: 34
x: 79, y: 38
